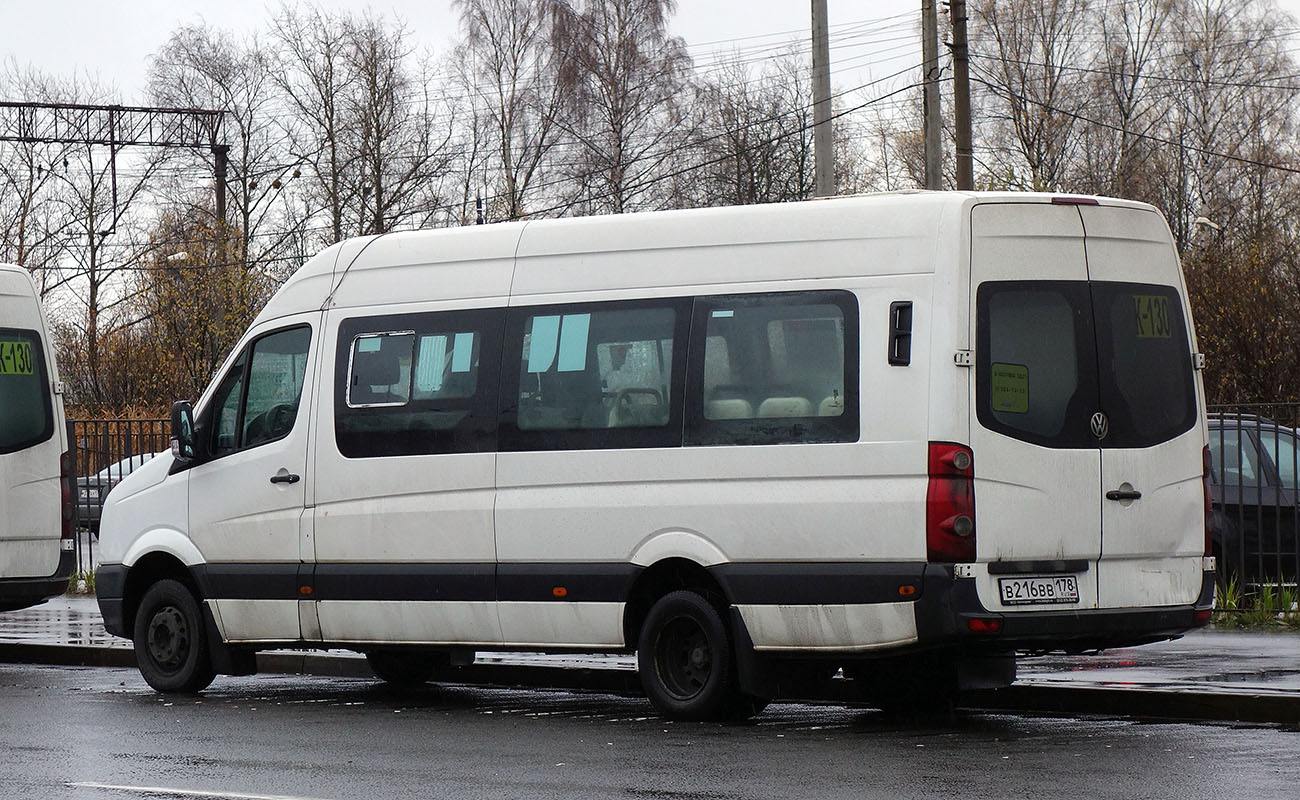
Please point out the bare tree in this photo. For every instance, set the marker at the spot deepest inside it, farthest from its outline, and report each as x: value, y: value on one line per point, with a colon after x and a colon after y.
x: 1025, y: 51
x: 203, y: 67
x: 1119, y: 154
x: 1230, y: 111
x: 403, y: 147
x: 628, y: 97
x: 365, y: 121
x: 33, y: 221
x: 756, y: 138
x: 510, y: 65
x: 315, y: 79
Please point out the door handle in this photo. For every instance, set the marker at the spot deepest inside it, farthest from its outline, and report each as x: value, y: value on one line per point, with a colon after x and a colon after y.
x: 285, y: 478
x: 1123, y: 494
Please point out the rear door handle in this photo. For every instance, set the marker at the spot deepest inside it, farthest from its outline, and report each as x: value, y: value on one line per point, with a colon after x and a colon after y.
x: 285, y: 478
x: 1122, y: 494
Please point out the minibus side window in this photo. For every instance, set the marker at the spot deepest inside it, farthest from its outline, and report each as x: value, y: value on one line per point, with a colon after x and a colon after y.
x: 605, y: 375
x: 416, y: 384
x: 225, y: 428
x: 776, y: 369
x: 606, y: 369
x: 26, y: 414
x: 257, y: 401
x: 380, y: 372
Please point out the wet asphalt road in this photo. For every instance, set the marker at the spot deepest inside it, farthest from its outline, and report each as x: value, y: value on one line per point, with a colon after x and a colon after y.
x: 68, y: 732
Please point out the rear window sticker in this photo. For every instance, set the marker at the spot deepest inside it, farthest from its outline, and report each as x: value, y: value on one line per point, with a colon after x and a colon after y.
x: 1152, y: 316
x: 1009, y: 384
x: 15, y: 358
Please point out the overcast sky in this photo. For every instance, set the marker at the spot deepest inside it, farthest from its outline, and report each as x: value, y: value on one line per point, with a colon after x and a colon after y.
x: 113, y: 39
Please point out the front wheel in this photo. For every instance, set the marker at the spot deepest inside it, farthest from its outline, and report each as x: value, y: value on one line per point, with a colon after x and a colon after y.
x: 686, y: 663
x: 171, y: 642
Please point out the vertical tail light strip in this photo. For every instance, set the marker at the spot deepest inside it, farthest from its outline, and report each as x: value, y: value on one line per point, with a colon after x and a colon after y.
x: 950, y: 504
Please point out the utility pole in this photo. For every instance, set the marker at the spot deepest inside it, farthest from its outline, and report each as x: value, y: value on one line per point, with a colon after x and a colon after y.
x: 823, y: 141
x: 221, y: 153
x: 961, y: 96
x: 933, y: 125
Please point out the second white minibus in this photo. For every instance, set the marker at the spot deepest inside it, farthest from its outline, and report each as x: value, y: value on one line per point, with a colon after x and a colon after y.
x: 36, y: 544
x: 905, y: 436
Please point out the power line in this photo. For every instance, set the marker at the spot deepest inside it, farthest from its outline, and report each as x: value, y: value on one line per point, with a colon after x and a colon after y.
x: 1006, y: 93
x: 1145, y: 76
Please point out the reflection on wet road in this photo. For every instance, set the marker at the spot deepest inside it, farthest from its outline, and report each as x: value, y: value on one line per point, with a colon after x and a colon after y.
x: 70, y: 732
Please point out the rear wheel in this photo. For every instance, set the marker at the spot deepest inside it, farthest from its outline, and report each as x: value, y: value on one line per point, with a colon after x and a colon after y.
x: 686, y: 662
x: 399, y: 668
x: 171, y: 642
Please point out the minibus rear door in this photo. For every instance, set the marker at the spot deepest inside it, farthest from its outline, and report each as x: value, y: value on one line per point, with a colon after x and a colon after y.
x: 1152, y: 512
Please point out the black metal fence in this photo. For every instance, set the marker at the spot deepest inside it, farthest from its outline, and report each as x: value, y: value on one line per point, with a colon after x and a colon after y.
x: 103, y: 452
x: 1255, y: 485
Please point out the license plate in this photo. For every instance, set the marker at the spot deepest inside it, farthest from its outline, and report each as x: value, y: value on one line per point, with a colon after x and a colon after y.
x: 1035, y: 590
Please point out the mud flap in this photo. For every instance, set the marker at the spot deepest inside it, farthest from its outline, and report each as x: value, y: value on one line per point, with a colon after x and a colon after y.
x: 226, y: 660
x: 752, y: 674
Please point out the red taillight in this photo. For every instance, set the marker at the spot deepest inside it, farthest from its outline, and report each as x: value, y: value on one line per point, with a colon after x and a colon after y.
x: 981, y: 625
x: 1206, y: 463
x: 1202, y: 618
x: 65, y: 494
x: 950, y: 504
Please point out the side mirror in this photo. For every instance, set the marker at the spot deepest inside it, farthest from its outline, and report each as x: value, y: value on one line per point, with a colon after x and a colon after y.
x: 183, y: 432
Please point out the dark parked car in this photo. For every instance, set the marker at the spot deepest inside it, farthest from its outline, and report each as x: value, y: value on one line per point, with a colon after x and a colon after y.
x: 92, y: 489
x: 1254, y: 486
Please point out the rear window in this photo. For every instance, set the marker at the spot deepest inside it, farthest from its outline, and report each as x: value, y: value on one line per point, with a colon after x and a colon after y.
x: 1051, y: 354
x: 1147, y: 386
x: 26, y: 415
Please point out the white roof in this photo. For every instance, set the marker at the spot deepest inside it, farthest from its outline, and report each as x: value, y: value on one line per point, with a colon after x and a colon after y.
x: 875, y: 234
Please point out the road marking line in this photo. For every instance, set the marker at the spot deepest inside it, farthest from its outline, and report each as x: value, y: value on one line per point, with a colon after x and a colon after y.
x: 157, y: 791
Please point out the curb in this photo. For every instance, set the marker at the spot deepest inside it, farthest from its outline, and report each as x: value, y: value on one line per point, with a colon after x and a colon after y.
x: 1169, y: 704
x: 1038, y: 698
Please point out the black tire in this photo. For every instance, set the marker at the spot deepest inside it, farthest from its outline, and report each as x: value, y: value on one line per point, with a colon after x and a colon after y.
x: 397, y: 668
x: 686, y: 661
x: 171, y: 640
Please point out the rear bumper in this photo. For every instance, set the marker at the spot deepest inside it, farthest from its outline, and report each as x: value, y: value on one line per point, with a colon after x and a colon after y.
x: 949, y: 613
x: 16, y: 593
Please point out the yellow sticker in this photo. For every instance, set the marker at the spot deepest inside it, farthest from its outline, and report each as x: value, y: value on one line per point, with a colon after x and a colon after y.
x: 15, y: 358
x: 1009, y: 384
x: 1152, y: 316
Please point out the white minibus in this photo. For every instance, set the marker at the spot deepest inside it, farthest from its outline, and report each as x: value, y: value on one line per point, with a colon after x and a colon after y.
x: 36, y: 544
x: 906, y: 436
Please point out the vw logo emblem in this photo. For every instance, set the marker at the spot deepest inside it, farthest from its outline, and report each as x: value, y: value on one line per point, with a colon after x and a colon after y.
x: 1100, y: 425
